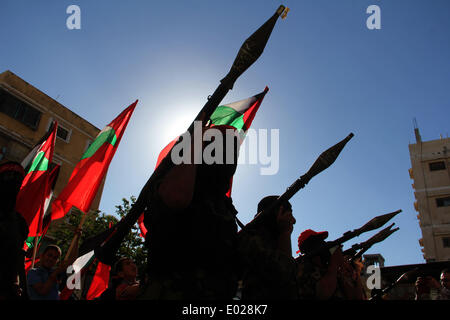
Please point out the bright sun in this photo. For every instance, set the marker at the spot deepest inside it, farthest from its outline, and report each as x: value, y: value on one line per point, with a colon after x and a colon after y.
x: 177, y: 125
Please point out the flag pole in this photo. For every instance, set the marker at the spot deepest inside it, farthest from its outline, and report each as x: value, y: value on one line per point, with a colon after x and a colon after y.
x: 76, y: 236
x: 34, y: 251
x: 36, y: 240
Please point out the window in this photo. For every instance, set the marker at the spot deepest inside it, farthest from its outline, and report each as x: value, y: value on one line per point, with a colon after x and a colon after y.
x: 439, y: 165
x: 446, y: 242
x: 443, y: 202
x: 19, y: 110
x: 62, y: 133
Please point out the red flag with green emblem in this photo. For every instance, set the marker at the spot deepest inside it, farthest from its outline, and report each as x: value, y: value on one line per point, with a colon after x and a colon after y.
x: 35, y: 186
x: 238, y: 115
x: 89, y: 172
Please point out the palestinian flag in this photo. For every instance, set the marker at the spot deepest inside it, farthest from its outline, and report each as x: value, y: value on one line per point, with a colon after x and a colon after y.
x: 28, y: 160
x: 90, y: 171
x: 238, y: 114
x: 87, y: 258
x: 54, y: 174
x: 29, y: 243
x: 35, y: 186
x: 80, y: 266
x: 99, y: 282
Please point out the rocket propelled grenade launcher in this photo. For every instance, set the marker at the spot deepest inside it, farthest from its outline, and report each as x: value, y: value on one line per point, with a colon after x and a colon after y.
x: 366, y: 245
x: 325, y: 160
x: 379, y: 237
x: 250, y: 51
x: 373, y: 224
x: 377, y: 222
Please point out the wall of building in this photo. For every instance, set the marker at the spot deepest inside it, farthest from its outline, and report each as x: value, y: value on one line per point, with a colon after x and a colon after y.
x: 17, y: 138
x: 430, y: 185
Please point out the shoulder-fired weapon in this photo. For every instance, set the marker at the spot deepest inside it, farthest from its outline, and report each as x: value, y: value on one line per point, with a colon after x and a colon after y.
x: 325, y: 160
x: 366, y: 245
x: 373, y: 224
x: 249, y: 52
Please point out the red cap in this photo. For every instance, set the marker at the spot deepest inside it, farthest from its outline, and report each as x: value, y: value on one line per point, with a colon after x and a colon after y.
x: 308, y: 233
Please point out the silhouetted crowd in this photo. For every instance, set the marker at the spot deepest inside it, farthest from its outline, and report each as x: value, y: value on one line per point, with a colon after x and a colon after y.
x: 195, y: 251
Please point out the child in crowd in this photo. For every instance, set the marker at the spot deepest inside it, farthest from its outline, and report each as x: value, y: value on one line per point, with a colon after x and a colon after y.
x: 127, y: 286
x: 43, y: 281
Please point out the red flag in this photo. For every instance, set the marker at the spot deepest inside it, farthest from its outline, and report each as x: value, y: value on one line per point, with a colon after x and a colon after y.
x: 30, y: 242
x: 142, y: 226
x: 165, y: 151
x: 53, y: 177
x: 65, y: 294
x: 29, y: 263
x: 100, y: 281
x: 81, y: 265
x: 89, y: 172
x: 35, y: 186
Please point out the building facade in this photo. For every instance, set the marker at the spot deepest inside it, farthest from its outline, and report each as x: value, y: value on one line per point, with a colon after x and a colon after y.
x: 431, y: 174
x: 26, y: 114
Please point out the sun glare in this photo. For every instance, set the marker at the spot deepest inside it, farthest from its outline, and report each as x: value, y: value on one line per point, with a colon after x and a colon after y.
x: 176, y: 125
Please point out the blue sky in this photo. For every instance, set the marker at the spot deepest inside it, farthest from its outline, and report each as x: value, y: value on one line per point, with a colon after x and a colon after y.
x: 328, y: 75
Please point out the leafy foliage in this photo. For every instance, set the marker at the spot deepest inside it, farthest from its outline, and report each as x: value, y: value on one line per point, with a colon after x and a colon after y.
x: 133, y: 244
x: 96, y: 223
